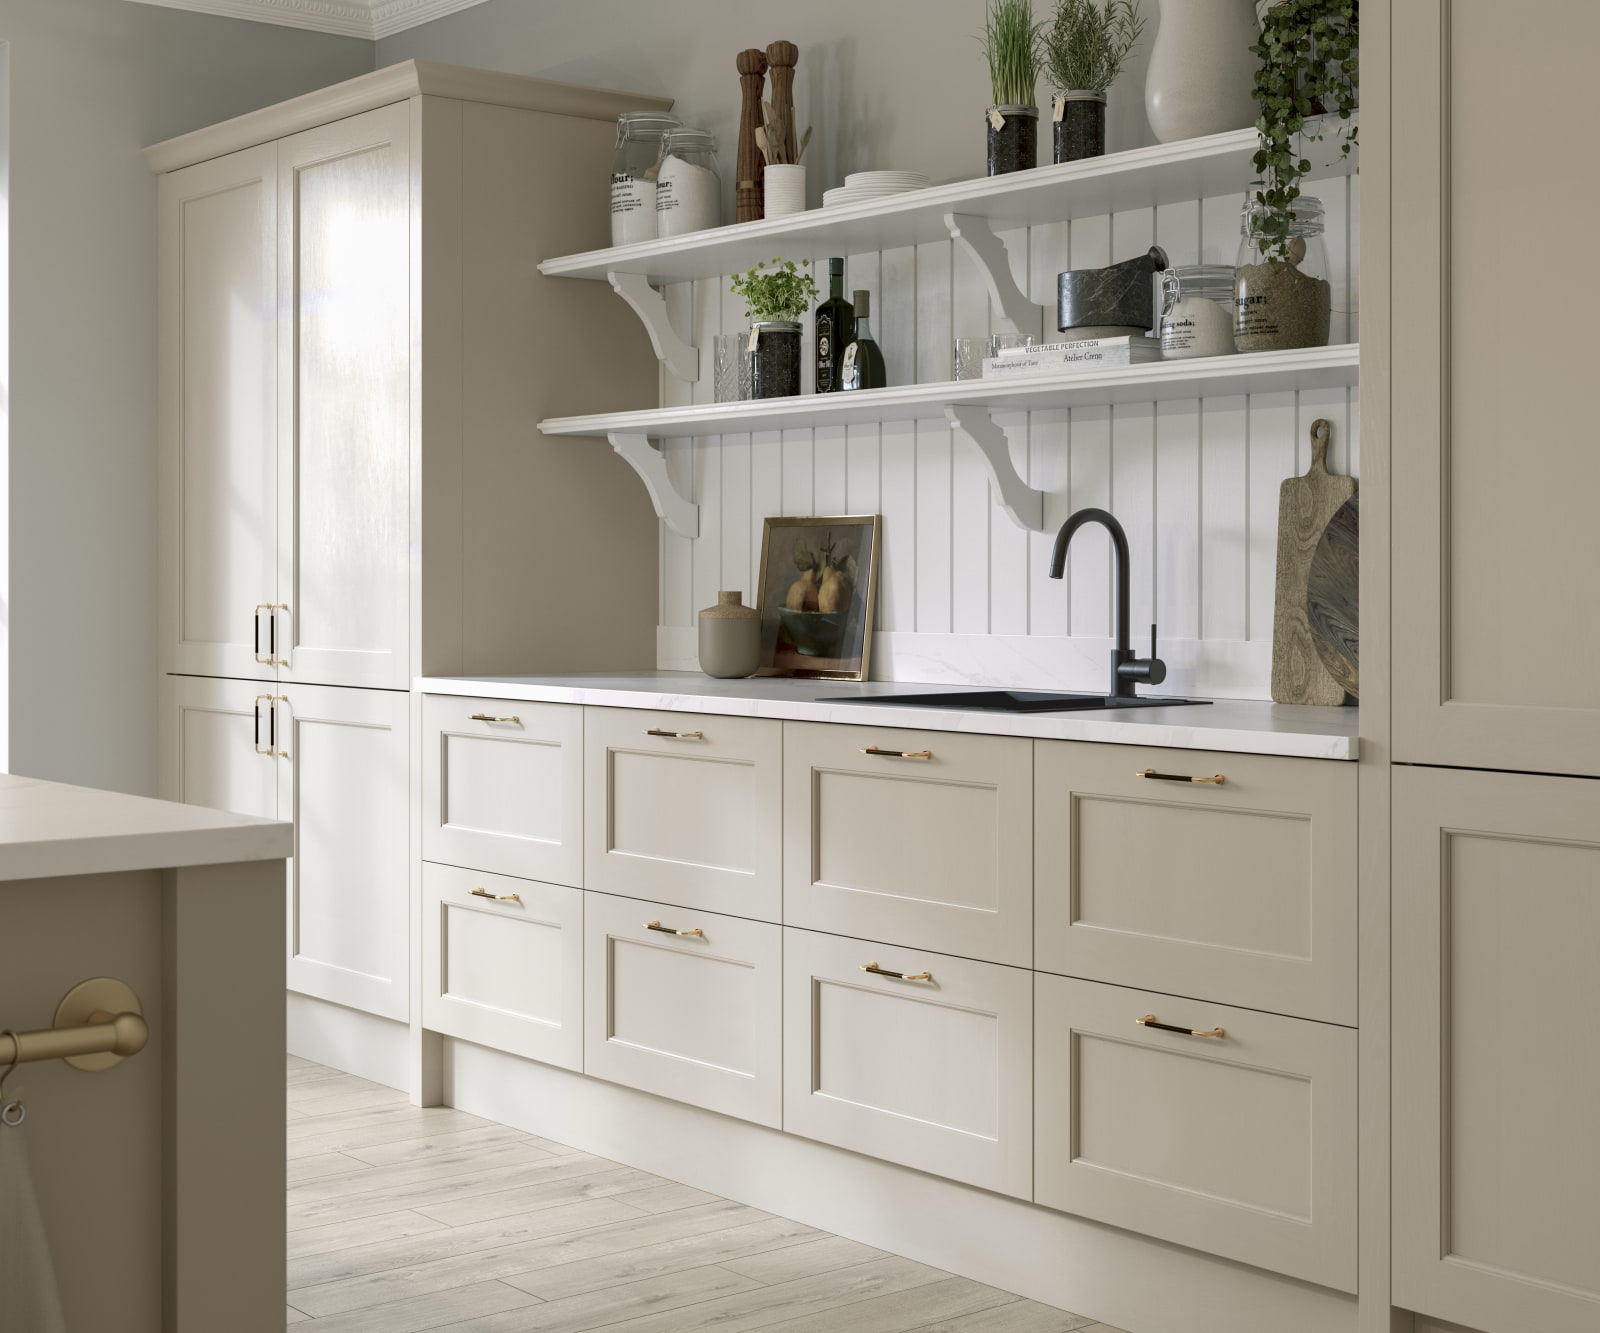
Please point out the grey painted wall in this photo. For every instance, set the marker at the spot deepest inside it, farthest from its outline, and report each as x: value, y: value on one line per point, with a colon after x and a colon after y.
x: 898, y: 84
x: 92, y: 82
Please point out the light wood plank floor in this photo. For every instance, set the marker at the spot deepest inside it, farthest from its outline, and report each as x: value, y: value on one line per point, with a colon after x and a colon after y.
x: 404, y: 1219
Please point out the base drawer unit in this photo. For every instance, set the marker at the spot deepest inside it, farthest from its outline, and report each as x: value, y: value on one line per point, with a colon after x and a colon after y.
x: 685, y: 1004
x: 912, y: 1056
x: 502, y: 787
x: 917, y: 837
x: 1226, y: 1130
x: 1193, y: 872
x: 503, y: 963
x: 685, y: 808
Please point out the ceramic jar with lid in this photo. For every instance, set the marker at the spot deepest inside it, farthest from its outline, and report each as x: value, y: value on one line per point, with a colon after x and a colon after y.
x: 730, y: 638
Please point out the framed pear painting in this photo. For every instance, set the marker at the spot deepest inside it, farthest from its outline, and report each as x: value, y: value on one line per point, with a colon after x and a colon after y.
x: 817, y: 596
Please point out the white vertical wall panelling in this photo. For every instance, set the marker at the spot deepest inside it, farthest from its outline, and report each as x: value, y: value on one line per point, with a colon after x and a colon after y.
x: 1194, y: 482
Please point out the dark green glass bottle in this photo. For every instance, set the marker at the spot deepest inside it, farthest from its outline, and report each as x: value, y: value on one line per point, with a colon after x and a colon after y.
x: 862, y: 366
x: 836, y: 329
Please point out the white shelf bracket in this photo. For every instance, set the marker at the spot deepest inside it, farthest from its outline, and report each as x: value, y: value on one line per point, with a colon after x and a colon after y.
x: 682, y: 516
x: 674, y: 352
x: 979, y: 240
x: 1024, y: 504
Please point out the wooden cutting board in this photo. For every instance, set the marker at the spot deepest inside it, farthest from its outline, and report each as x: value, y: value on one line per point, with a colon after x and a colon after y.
x: 1332, y: 598
x: 1305, y: 504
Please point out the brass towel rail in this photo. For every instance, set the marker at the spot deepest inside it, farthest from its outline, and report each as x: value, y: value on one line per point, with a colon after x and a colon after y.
x: 99, y: 1023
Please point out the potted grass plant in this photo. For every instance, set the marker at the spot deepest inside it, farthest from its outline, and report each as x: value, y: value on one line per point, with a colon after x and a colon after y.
x: 1085, y: 48
x: 1011, y: 46
x: 776, y: 301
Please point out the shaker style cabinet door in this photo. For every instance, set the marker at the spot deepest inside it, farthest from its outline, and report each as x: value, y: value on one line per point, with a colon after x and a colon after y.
x: 1496, y: 1069
x: 1496, y: 632
x: 217, y: 396
x: 215, y: 747
x: 344, y: 401
x: 344, y: 781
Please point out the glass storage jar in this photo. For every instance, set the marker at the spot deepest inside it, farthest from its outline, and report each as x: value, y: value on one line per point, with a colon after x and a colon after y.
x: 634, y: 167
x: 688, y: 188
x: 1281, y: 294
x: 1196, y: 311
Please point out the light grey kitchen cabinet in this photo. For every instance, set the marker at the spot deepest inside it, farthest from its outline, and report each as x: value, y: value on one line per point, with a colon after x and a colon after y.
x: 1496, y: 1073
x: 1495, y: 623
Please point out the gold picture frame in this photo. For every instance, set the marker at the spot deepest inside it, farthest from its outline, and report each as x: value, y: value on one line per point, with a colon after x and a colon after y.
x: 818, y: 596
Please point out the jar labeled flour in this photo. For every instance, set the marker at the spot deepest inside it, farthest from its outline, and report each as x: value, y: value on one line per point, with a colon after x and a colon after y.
x: 634, y: 169
x: 1196, y: 311
x: 688, y: 189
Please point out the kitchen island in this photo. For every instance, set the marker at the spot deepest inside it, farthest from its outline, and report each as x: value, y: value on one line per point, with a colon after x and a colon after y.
x: 160, y: 1179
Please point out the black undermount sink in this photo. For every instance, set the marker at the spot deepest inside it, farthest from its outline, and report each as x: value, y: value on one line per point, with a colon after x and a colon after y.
x: 1015, y: 701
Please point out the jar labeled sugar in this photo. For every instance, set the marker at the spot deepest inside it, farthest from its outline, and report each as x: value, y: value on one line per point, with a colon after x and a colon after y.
x: 1196, y: 311
x: 634, y: 168
x: 688, y: 189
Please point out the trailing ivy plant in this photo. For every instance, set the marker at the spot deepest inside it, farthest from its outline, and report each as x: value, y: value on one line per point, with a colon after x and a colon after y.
x: 1086, y: 46
x: 785, y: 293
x: 1309, y: 68
x: 1011, y: 45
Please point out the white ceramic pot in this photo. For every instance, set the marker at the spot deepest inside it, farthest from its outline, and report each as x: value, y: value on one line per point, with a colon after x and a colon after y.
x: 1201, y: 69
x: 785, y: 190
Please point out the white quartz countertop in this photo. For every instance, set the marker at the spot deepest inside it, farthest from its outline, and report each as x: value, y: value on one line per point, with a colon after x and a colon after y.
x: 50, y: 828
x: 1238, y: 726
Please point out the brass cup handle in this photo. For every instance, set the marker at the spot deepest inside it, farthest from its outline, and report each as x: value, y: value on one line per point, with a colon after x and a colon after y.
x: 489, y: 717
x: 697, y: 933
x: 1149, y: 1021
x: 896, y: 754
x: 677, y: 735
x: 497, y: 897
x: 1218, y: 779
x: 898, y: 976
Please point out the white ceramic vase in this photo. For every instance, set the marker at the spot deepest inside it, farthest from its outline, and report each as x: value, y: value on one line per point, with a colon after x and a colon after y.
x: 1201, y: 69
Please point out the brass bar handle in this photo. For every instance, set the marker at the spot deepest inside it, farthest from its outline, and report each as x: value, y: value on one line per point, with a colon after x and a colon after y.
x: 677, y: 735
x: 271, y: 657
x: 272, y: 728
x: 272, y: 636
x: 497, y: 897
x: 697, y: 933
x: 1149, y: 1021
x: 489, y: 717
x: 1218, y: 779
x: 271, y: 747
x: 898, y: 976
x: 896, y: 754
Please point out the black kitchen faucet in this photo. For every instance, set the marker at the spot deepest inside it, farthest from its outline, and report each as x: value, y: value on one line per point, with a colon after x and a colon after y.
x: 1126, y: 668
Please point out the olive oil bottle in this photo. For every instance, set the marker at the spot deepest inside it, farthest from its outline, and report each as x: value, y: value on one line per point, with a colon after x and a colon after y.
x: 836, y: 329
x: 861, y: 366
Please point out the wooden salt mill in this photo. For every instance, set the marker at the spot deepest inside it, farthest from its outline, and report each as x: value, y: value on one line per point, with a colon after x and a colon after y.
x: 749, y: 194
x: 782, y: 57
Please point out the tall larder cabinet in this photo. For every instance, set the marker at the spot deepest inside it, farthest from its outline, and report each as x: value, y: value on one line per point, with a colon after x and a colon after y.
x: 1496, y: 693
x: 355, y: 345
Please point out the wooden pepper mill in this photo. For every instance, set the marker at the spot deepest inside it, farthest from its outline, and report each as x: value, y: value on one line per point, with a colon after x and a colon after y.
x: 782, y: 57
x: 750, y: 192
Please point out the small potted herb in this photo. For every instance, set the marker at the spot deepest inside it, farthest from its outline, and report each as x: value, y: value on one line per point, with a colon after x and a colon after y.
x: 1309, y: 68
x: 1011, y: 45
x: 1085, y: 48
x: 777, y: 301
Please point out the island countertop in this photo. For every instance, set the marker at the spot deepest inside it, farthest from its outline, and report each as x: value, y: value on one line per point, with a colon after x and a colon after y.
x: 1238, y: 726
x: 52, y: 828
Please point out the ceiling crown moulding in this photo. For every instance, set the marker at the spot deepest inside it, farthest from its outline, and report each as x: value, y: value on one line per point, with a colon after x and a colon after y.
x: 370, y: 19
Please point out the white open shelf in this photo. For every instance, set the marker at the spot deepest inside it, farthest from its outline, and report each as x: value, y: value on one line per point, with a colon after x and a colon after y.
x: 970, y: 406
x: 1140, y: 178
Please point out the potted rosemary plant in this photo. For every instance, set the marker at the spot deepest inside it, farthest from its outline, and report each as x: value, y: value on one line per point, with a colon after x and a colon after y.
x: 1011, y: 45
x: 1085, y: 48
x: 776, y: 301
x: 1309, y: 68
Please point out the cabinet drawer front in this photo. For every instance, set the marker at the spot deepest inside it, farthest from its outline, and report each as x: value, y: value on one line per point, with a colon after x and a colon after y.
x: 934, y: 1074
x: 685, y: 808
x: 501, y: 971
x: 503, y: 787
x: 1243, y: 892
x: 1243, y: 1145
x: 931, y: 853
x: 692, y: 1016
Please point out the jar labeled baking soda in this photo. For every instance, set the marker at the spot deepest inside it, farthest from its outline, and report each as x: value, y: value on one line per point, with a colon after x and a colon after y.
x: 1281, y: 295
x: 1196, y: 311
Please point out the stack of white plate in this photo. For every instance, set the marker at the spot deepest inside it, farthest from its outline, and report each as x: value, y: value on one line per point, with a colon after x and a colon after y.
x: 863, y: 185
